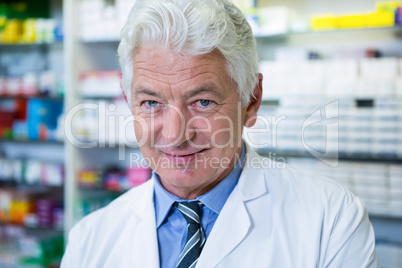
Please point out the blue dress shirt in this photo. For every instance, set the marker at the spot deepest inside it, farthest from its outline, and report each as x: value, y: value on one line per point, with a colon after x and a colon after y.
x: 170, y: 223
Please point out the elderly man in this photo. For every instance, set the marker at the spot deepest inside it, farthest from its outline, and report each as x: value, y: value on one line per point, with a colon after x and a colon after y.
x: 190, y: 75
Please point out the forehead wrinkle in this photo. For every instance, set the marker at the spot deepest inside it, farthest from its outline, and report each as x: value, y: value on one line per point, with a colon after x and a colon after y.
x: 174, y: 72
x: 191, y: 69
x: 171, y: 75
x: 153, y: 78
x: 190, y: 78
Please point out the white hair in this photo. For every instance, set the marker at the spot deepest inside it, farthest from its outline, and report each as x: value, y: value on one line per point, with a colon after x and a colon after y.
x: 192, y: 27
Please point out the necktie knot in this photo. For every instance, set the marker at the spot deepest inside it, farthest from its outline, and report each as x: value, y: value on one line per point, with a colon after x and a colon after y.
x: 191, y: 211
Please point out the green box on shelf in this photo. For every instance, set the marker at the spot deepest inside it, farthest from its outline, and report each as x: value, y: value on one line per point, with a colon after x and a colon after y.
x: 49, y: 250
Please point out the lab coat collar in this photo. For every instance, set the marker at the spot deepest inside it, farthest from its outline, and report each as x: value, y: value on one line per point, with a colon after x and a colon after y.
x: 142, y: 203
x: 252, y: 180
x: 147, y: 254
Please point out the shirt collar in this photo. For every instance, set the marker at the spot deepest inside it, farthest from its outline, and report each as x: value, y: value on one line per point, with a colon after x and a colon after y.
x: 213, y: 199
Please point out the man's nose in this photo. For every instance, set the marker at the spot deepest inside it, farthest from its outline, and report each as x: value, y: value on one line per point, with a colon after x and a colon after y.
x: 174, y: 126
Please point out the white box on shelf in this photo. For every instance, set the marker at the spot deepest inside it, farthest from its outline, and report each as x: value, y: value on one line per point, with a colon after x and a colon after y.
x: 275, y: 88
x: 274, y: 20
x: 376, y: 87
x: 292, y: 55
x: 305, y: 87
x: 299, y: 23
x: 341, y: 68
x: 381, y: 68
x: 340, y: 86
x: 110, y: 31
x: 100, y: 84
x: 91, y: 19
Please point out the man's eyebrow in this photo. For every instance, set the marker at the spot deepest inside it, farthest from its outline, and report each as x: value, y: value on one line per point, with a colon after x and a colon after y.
x: 209, y: 88
x: 145, y: 91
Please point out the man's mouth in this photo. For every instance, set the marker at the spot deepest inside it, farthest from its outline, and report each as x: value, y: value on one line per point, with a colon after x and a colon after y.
x: 183, y: 158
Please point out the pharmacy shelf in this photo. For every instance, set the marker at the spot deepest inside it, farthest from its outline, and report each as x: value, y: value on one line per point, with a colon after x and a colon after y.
x: 38, y: 142
x: 105, y: 41
x: 359, y: 157
x: 42, y: 97
x: 30, y: 187
x: 36, y: 45
x: 101, y: 191
x: 360, y: 101
x: 31, y: 228
x: 44, y: 57
x: 394, y: 29
x: 100, y: 98
x: 109, y: 145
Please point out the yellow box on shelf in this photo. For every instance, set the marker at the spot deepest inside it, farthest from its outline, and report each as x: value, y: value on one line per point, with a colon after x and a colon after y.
x: 12, y: 31
x: 381, y: 19
x: 323, y: 22
x: 352, y: 21
x: 29, y: 31
x: 3, y: 22
x: 388, y: 5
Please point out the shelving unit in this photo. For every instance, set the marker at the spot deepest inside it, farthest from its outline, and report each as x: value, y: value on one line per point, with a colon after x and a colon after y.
x: 22, y: 239
x: 379, y: 189
x: 88, y: 56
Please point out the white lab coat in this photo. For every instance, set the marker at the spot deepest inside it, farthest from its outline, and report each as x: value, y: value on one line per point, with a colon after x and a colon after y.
x: 273, y: 218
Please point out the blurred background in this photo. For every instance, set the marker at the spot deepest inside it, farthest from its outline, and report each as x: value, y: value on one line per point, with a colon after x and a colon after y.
x: 332, y: 107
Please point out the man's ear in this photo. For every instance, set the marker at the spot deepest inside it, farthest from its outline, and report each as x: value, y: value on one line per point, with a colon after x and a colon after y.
x: 254, y: 105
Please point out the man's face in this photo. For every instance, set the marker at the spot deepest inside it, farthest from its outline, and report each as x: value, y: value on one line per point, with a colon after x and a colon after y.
x: 188, y: 118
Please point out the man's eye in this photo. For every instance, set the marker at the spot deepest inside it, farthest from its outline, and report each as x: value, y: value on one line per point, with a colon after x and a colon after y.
x: 204, y: 102
x: 150, y: 104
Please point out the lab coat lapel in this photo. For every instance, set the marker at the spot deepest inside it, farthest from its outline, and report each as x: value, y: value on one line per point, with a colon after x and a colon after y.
x: 233, y: 222
x: 144, y: 240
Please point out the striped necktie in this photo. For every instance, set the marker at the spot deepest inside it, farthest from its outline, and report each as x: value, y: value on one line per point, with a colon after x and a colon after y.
x: 195, y: 235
